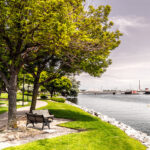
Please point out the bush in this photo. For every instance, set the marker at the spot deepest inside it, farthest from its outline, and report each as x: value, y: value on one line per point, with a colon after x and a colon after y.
x: 58, y: 99
x: 43, y: 96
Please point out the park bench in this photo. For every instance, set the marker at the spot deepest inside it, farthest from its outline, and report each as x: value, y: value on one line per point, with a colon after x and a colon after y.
x: 44, y: 112
x: 39, y: 116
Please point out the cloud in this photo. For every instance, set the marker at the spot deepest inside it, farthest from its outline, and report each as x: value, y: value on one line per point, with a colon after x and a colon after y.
x: 124, y: 23
x: 131, y: 66
x: 120, y: 76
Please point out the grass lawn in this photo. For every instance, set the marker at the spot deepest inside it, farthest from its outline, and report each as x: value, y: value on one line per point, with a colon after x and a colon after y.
x: 5, y: 96
x: 96, y: 135
x: 4, y: 109
x: 19, y: 96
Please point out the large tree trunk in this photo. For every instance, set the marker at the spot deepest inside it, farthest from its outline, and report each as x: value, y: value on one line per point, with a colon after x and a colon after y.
x: 12, y: 120
x: 35, y: 94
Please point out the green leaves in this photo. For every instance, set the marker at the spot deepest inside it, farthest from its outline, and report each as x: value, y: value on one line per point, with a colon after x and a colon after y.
x: 32, y: 30
x: 61, y: 85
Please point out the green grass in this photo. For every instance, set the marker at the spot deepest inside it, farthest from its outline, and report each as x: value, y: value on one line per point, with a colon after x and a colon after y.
x: 58, y: 99
x: 19, y: 96
x: 5, y: 108
x: 3, y: 102
x: 96, y: 135
x: 4, y: 95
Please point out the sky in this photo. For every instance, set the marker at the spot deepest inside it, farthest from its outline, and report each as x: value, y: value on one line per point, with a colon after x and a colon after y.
x: 131, y: 60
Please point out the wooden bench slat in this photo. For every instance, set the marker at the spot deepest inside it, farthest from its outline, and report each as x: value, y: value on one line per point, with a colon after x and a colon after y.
x: 44, y: 112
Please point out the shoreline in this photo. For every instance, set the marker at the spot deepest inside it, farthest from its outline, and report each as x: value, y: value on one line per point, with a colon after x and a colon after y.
x: 142, y: 137
x: 68, y: 106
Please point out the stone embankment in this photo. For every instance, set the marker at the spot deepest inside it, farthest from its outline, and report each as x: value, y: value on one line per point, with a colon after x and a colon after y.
x: 142, y: 137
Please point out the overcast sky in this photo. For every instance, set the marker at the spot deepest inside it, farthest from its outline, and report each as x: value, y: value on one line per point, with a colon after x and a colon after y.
x: 131, y: 60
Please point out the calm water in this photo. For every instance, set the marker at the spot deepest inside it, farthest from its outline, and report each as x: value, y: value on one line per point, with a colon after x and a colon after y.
x: 133, y: 110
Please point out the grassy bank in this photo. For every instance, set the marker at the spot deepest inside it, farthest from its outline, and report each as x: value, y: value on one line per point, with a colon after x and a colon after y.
x: 95, y: 135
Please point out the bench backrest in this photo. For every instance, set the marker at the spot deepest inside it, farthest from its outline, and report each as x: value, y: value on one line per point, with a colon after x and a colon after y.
x: 39, y: 118
x: 34, y: 118
x: 30, y: 117
x: 44, y: 112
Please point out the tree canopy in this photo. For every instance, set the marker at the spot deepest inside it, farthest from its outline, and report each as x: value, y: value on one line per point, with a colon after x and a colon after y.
x: 60, y: 85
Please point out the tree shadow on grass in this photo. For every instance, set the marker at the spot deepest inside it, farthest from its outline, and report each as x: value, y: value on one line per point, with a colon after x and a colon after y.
x: 74, y: 115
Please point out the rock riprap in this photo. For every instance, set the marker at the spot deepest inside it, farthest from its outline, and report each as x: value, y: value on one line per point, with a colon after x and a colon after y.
x: 142, y: 137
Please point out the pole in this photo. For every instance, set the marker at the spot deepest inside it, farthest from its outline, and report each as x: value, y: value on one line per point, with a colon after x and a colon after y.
x: 139, y: 86
x: 28, y: 93
x: 23, y: 91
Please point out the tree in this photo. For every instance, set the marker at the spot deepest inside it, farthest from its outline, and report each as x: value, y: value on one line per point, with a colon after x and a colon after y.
x: 74, y: 90
x: 42, y: 71
x: 25, y: 28
x: 60, y: 85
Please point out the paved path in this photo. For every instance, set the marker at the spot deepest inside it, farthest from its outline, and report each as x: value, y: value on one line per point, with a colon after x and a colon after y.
x: 54, y: 130
x: 20, y: 112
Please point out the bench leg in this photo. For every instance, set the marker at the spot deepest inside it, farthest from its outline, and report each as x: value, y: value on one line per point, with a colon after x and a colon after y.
x: 43, y: 126
x: 48, y: 125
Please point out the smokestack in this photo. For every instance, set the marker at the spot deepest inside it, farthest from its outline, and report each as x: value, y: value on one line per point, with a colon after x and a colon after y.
x: 139, y: 86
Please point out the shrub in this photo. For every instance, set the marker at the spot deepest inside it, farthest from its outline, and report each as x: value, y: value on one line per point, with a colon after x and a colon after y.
x: 58, y: 99
x: 43, y: 96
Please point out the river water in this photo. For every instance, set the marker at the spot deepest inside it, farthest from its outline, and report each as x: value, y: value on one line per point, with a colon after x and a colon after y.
x: 133, y: 110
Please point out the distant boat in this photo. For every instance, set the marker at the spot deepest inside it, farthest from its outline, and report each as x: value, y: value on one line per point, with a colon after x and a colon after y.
x: 131, y: 92
x: 128, y: 92
x: 147, y: 92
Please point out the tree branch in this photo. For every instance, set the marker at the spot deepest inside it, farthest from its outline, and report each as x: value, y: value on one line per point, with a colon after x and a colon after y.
x: 27, y: 46
x: 2, y: 75
x: 6, y: 38
x: 48, y: 79
x: 9, y: 44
